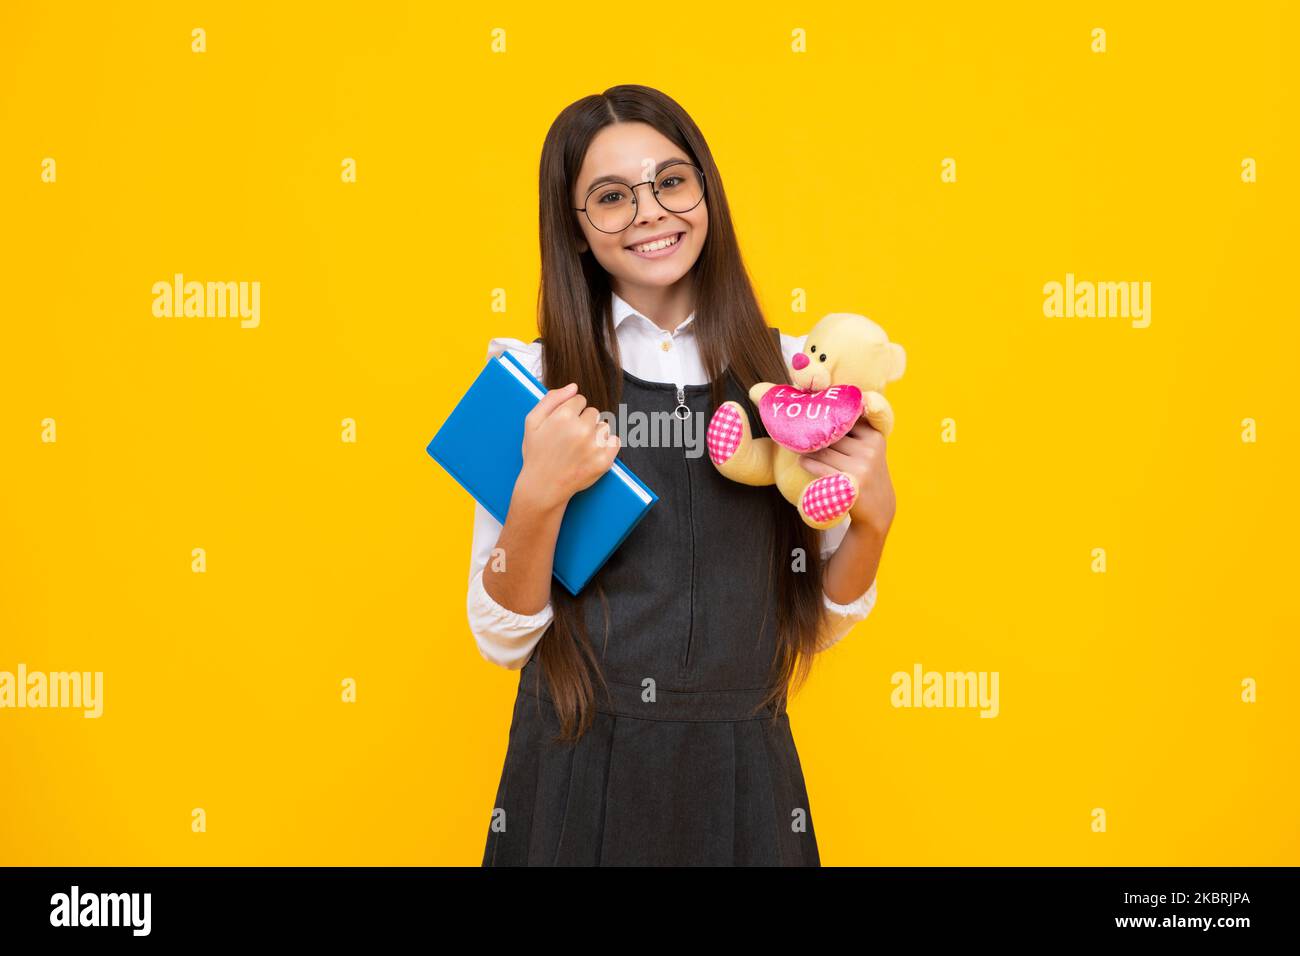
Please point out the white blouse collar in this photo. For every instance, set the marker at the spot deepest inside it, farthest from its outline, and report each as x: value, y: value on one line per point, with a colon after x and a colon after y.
x: 622, y: 310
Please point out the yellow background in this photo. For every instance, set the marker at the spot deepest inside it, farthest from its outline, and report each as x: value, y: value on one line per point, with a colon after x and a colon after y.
x: 328, y: 560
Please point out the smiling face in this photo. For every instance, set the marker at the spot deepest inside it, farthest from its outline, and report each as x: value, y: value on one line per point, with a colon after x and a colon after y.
x: 634, y: 153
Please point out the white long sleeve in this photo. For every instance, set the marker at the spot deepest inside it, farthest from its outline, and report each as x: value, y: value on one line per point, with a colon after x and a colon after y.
x: 840, y: 618
x: 507, y: 638
x: 503, y: 636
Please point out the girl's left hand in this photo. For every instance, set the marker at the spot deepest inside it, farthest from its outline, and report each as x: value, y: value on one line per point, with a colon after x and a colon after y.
x: 860, y: 453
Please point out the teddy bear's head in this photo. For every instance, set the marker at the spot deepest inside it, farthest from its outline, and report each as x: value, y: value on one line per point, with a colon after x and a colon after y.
x: 847, y: 349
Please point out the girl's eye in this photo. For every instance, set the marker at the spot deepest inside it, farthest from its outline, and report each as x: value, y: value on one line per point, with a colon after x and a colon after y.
x: 617, y: 196
x: 670, y: 182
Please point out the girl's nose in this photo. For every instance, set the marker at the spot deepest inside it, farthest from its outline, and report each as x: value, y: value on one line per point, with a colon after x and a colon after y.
x: 799, y: 361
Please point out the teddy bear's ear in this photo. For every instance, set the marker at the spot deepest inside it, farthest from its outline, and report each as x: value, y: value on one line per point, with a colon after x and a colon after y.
x: 897, y: 362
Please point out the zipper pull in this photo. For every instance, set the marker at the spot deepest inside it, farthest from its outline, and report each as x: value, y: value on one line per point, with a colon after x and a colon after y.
x: 682, y: 411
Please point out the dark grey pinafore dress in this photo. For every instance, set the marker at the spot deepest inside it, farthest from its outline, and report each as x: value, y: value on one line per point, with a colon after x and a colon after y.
x: 676, y: 769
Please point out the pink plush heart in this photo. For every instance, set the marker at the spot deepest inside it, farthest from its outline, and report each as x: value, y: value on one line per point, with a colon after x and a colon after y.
x: 806, y: 421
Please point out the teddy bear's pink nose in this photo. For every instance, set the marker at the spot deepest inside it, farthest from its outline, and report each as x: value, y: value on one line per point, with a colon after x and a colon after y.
x: 799, y: 361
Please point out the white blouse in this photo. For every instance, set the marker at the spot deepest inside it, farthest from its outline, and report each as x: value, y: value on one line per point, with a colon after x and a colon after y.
x: 656, y: 355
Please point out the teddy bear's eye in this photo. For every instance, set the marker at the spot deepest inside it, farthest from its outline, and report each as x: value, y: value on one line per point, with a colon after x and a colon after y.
x: 823, y: 356
x: 812, y: 349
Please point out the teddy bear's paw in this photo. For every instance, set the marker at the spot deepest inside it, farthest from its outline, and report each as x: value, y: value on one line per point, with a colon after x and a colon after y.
x: 827, y: 499
x: 878, y: 412
x: 728, y: 431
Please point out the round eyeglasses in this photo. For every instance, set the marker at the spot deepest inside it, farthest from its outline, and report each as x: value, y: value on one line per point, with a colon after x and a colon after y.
x: 611, y: 206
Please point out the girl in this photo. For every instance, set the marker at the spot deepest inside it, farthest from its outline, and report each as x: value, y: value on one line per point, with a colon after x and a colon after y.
x: 650, y: 724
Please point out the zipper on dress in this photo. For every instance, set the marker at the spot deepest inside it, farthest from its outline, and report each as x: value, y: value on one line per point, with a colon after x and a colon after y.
x: 690, y: 512
x: 682, y: 407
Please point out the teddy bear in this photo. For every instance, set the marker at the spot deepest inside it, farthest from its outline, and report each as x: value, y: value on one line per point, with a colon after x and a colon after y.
x: 838, y: 377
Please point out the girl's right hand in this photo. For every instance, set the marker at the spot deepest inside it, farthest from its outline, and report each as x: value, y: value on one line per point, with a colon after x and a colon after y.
x: 567, y: 447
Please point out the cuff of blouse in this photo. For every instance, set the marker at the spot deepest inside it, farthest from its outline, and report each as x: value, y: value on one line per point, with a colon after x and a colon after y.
x: 504, y: 636
x: 842, y: 617
x: 860, y: 606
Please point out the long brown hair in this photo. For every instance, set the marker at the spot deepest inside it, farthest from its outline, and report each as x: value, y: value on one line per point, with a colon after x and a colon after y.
x: 575, y: 319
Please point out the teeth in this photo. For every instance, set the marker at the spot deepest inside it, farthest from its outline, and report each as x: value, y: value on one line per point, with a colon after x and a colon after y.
x: 652, y: 246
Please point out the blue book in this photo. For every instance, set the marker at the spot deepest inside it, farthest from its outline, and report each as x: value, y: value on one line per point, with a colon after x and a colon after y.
x: 481, y: 446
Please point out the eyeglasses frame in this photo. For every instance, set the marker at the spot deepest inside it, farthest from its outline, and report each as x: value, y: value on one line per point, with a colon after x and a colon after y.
x: 635, y: 206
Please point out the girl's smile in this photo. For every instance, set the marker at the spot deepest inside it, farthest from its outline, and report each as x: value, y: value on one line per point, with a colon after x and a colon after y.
x: 657, y: 247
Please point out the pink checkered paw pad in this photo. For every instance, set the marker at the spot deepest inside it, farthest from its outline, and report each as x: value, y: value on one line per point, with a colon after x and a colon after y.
x: 826, y: 498
x: 724, y: 434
